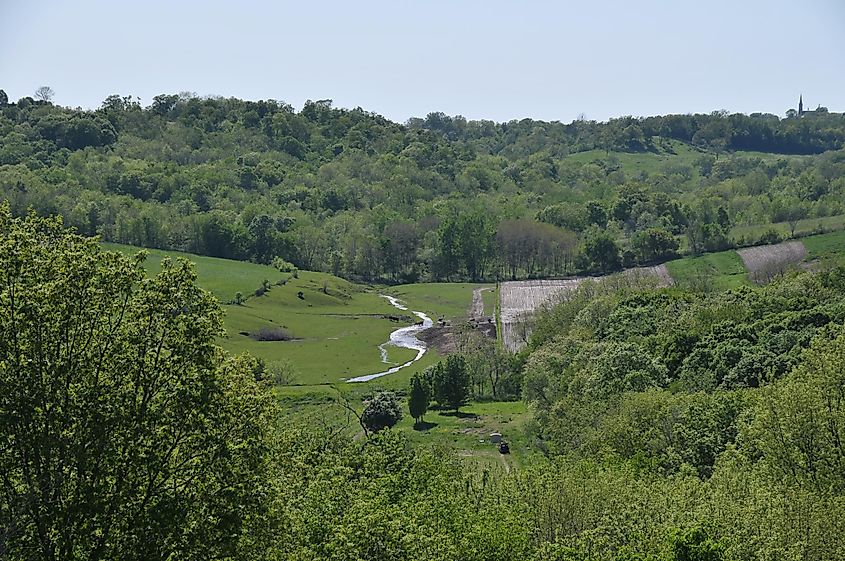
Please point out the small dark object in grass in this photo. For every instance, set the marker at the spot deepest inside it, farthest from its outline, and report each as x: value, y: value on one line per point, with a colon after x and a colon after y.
x: 300, y: 295
x: 271, y: 334
x: 504, y: 448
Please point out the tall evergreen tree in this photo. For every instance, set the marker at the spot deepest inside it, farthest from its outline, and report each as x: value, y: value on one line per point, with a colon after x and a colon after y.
x: 418, y: 397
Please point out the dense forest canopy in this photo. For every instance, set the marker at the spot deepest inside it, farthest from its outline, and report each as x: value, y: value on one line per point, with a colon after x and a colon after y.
x: 350, y: 192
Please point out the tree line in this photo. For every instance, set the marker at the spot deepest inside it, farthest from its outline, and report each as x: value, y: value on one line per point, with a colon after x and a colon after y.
x: 349, y: 192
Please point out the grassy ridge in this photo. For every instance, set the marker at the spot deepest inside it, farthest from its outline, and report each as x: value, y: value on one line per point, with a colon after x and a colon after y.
x: 218, y: 276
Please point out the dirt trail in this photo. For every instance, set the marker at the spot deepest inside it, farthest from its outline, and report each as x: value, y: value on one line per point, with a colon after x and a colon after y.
x: 505, y: 463
x: 476, y: 309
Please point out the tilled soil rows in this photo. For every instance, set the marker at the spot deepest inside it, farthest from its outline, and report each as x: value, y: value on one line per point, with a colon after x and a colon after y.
x: 519, y: 300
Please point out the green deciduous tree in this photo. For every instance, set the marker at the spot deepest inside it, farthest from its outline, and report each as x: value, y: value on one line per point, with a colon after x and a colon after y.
x: 601, y: 252
x: 654, y: 244
x: 451, y: 382
x: 799, y: 425
x: 381, y: 412
x: 126, y: 432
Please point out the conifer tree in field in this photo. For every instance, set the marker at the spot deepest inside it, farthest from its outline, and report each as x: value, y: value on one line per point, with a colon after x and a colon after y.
x: 418, y: 397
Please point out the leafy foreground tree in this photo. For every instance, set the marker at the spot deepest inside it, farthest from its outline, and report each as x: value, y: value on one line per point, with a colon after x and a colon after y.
x: 125, y: 433
x: 381, y: 412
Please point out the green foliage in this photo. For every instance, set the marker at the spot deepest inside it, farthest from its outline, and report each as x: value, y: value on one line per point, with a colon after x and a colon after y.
x: 799, y: 425
x: 381, y: 412
x: 350, y: 193
x: 283, y: 266
x: 450, y: 382
x: 419, y: 396
x: 600, y: 365
x: 601, y: 252
x: 655, y: 244
x: 127, y: 433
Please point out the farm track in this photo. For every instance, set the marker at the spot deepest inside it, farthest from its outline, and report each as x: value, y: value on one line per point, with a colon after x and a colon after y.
x: 476, y: 309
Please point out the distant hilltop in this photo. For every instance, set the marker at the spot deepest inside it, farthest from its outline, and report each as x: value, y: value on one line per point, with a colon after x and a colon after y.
x: 801, y: 112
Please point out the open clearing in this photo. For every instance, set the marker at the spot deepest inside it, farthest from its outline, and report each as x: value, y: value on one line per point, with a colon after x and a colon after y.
x: 441, y: 300
x: 826, y: 249
x: 221, y: 277
x: 711, y: 271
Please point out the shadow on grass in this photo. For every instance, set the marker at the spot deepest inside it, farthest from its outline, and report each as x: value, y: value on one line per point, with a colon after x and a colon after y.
x: 424, y: 426
x: 458, y: 414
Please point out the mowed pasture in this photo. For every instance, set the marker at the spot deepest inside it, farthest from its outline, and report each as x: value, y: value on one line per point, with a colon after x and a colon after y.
x: 826, y: 249
x: 712, y: 271
x: 334, y: 326
x: 221, y: 277
x: 446, y: 300
x: 519, y: 300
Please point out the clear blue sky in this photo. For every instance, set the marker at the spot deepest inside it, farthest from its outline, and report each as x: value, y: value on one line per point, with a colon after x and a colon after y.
x: 481, y: 59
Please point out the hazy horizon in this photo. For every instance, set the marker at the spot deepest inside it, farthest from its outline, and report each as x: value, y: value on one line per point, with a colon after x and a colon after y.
x: 545, y: 61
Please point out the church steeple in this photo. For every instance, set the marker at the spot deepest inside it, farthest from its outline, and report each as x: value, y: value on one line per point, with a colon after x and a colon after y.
x: 800, y: 105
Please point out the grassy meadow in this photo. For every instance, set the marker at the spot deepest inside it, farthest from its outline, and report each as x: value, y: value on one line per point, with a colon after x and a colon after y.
x: 827, y: 249
x: 449, y: 301
x: 336, y: 327
x: 719, y: 271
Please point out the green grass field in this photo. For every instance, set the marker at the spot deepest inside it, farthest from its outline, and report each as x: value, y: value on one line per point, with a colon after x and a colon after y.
x: 468, y: 433
x: 336, y: 325
x: 827, y: 249
x: 218, y: 276
x: 439, y: 299
x: 649, y: 162
x: 712, y: 271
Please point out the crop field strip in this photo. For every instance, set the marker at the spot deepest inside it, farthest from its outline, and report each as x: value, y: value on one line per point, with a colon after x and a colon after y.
x: 519, y: 300
x: 765, y: 261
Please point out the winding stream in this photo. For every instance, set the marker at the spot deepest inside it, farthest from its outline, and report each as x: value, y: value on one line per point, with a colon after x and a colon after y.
x: 404, y: 337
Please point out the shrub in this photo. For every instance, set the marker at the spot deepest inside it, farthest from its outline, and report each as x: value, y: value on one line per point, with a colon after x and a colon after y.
x: 271, y: 334
x: 382, y: 411
x: 770, y: 236
x: 283, y: 266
